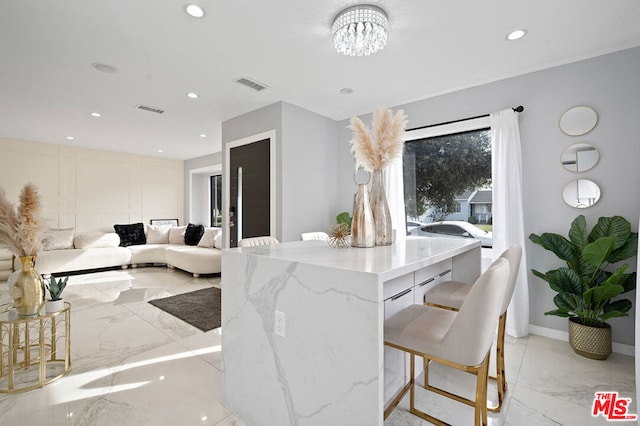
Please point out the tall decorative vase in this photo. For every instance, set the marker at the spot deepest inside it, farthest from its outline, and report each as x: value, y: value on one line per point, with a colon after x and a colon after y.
x: 363, y: 232
x: 28, y: 290
x: 380, y: 211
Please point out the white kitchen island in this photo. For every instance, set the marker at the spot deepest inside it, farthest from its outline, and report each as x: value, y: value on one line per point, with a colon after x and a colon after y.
x: 327, y: 365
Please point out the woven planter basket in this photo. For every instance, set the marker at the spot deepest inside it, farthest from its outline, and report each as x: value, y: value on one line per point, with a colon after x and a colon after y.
x: 590, y: 342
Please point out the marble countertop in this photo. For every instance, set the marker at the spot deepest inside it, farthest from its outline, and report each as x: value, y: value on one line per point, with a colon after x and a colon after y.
x: 387, y: 262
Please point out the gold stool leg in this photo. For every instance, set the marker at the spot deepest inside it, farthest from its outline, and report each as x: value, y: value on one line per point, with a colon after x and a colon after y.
x: 501, y: 378
x: 426, y: 372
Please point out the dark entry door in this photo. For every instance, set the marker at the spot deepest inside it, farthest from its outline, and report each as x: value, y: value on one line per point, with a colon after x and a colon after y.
x: 249, y: 191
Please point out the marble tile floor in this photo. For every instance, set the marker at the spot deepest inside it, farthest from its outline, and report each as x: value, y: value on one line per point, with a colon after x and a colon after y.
x: 133, y: 364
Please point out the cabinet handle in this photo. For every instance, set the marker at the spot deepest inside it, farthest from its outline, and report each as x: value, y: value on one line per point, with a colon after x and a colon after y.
x: 426, y: 282
x: 444, y: 273
x: 399, y: 295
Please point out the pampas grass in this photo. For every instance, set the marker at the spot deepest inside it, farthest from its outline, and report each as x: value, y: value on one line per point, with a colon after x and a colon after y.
x: 21, y: 230
x: 374, y: 151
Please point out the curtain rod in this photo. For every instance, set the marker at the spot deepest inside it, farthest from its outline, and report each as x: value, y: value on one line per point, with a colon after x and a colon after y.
x: 519, y: 108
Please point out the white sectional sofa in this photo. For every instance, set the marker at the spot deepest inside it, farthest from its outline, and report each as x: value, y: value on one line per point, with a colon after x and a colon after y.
x: 95, y: 250
x: 6, y: 264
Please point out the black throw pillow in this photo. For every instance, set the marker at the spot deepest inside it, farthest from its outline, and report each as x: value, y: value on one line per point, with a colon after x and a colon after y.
x: 192, y: 234
x: 131, y: 235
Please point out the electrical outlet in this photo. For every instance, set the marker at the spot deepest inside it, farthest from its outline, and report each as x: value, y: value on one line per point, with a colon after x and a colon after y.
x: 280, y: 325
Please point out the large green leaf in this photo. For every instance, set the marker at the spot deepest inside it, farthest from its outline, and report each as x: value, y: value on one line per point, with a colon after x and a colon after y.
x: 540, y: 275
x: 565, y: 280
x: 628, y: 282
x: 599, y: 250
x: 558, y: 244
x: 565, y: 302
x: 616, y: 227
x: 559, y: 313
x: 578, y: 232
x: 603, y: 293
x: 629, y: 249
x: 619, y: 308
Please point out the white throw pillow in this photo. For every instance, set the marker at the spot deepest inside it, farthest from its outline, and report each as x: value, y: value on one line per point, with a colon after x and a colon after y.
x: 209, y: 237
x: 158, y: 234
x: 58, y: 239
x: 176, y: 234
x: 218, y: 240
x: 85, y: 240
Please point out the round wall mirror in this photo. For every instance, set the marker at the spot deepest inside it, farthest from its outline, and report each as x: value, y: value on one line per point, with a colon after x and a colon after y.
x: 580, y: 157
x: 581, y: 193
x: 578, y: 120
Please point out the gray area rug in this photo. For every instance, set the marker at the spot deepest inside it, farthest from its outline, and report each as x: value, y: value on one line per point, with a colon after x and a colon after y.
x: 200, y: 308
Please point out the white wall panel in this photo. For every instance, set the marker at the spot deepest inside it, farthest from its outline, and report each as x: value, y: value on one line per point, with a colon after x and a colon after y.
x: 22, y: 162
x: 92, y: 190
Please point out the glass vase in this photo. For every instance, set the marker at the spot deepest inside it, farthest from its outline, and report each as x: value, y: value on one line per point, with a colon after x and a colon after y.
x: 28, y: 289
x: 380, y: 211
x: 363, y: 232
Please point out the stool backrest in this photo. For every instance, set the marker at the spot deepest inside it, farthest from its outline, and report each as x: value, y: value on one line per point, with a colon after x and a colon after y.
x: 319, y: 235
x: 513, y: 256
x: 257, y: 241
x: 470, y: 336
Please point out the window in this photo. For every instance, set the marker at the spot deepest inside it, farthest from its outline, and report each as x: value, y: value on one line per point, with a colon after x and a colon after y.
x: 216, y: 200
x: 447, y: 177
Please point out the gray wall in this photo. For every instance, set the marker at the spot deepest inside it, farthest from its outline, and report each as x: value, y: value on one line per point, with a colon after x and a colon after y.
x: 309, y: 175
x: 611, y: 85
x: 306, y: 172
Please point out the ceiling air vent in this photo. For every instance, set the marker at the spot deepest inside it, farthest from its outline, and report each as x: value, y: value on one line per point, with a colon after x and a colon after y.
x: 257, y: 86
x: 150, y: 109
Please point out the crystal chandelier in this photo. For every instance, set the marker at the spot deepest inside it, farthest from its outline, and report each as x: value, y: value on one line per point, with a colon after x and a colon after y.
x: 360, y: 30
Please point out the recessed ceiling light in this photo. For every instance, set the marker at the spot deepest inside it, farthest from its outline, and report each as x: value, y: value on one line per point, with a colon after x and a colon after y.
x: 96, y: 114
x: 192, y: 95
x: 516, y: 35
x: 160, y: 151
x: 346, y: 91
x: 194, y: 10
x: 104, y: 68
x: 203, y: 135
x: 69, y: 138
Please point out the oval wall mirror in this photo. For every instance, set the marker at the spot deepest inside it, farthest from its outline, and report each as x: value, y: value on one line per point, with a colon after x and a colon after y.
x: 578, y: 120
x: 580, y: 157
x: 581, y: 193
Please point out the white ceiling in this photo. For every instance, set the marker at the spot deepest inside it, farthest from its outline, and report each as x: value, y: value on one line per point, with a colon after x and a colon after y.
x: 48, y: 87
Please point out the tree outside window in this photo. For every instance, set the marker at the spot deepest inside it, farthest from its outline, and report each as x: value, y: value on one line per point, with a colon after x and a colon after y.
x: 438, y: 169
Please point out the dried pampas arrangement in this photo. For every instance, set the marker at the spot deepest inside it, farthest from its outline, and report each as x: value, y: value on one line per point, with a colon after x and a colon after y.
x: 374, y: 151
x: 21, y: 230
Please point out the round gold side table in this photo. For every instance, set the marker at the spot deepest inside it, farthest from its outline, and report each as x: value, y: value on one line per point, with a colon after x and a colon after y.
x: 34, y: 351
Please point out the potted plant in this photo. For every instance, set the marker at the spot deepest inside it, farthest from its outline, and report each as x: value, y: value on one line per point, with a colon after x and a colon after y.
x: 55, y: 303
x: 589, y: 282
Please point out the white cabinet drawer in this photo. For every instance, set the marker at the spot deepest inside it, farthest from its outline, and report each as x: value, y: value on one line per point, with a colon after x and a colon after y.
x: 427, y: 278
x: 396, y: 362
x: 397, y: 285
x: 432, y: 271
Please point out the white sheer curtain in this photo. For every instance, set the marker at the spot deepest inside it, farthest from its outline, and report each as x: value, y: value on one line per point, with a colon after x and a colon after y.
x: 508, y: 217
x: 394, y: 189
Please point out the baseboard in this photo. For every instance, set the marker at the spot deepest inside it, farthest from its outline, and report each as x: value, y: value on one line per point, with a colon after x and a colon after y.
x: 619, y: 348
